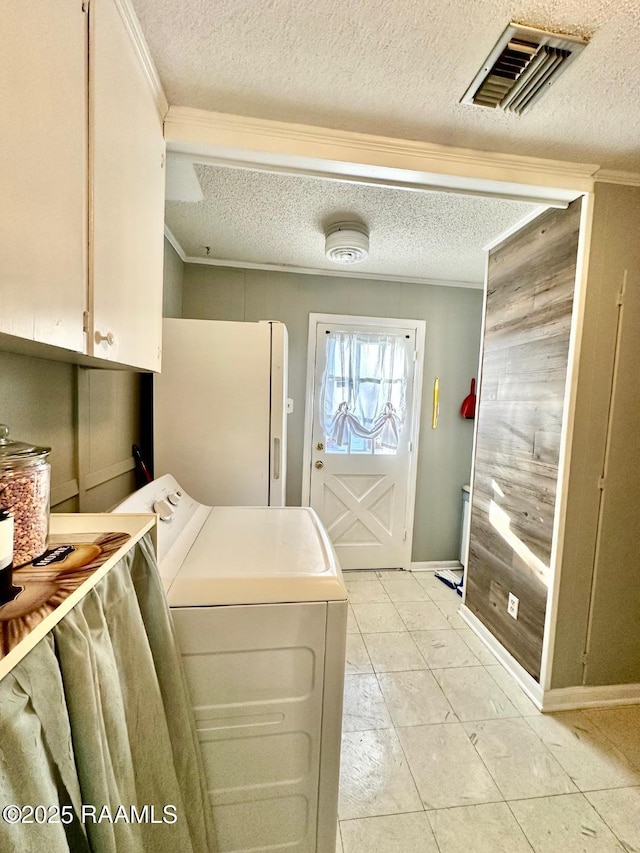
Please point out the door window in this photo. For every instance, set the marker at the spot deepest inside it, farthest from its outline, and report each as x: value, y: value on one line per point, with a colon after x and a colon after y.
x: 363, y: 395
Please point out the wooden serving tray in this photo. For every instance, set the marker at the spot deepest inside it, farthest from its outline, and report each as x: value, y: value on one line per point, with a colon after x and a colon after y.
x: 44, y: 584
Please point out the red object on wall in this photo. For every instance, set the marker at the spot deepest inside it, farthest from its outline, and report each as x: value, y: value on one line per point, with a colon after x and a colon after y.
x: 468, y: 408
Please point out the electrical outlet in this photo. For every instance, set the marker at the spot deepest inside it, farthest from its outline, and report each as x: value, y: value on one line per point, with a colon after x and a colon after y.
x: 512, y: 605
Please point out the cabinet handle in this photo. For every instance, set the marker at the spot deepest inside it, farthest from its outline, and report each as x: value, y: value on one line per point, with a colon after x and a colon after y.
x: 109, y: 338
x: 276, y: 458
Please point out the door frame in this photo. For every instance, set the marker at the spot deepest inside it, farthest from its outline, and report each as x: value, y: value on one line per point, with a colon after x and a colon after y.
x: 418, y: 370
x: 242, y: 142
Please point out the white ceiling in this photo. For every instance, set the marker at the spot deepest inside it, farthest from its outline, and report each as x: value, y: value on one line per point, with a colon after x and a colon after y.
x: 270, y: 219
x: 399, y: 69
x: 395, y: 70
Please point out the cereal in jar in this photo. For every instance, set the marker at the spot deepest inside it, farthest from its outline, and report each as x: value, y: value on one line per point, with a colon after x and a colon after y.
x: 25, y: 484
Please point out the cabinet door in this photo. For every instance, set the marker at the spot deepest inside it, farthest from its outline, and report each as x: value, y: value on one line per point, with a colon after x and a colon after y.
x: 43, y: 171
x: 127, y: 200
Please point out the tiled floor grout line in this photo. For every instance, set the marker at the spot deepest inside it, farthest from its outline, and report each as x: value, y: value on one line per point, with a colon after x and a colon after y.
x: 578, y: 793
x: 527, y: 718
x: 567, y: 794
x: 433, y: 832
x: 401, y: 746
x: 603, y: 819
x: 522, y: 830
x: 460, y: 722
x: 635, y: 765
x: 429, y: 812
x: 519, y: 716
x: 484, y: 764
x: 390, y: 814
x: 546, y: 748
x: 413, y: 778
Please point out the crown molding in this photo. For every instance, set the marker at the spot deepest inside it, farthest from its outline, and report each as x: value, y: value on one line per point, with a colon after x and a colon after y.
x: 138, y: 41
x: 168, y: 233
x: 324, y: 152
x: 609, y: 176
x: 333, y: 273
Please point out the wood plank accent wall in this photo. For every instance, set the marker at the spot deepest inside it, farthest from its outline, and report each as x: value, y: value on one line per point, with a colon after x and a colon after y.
x: 531, y: 280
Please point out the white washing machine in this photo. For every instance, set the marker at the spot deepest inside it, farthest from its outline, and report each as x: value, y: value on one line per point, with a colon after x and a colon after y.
x: 260, y: 611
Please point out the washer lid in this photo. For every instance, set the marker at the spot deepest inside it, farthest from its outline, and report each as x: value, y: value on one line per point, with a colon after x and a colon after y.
x: 258, y: 555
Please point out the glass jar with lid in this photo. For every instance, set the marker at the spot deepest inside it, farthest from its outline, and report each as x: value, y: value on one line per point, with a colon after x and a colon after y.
x: 25, y: 488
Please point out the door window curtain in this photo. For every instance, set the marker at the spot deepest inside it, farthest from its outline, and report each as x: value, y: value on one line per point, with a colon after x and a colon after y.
x: 97, y: 714
x: 363, y: 395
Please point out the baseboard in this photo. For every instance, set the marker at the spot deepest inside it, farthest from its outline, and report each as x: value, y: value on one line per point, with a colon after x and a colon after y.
x: 558, y: 699
x: 585, y: 696
x: 515, y: 670
x: 434, y: 565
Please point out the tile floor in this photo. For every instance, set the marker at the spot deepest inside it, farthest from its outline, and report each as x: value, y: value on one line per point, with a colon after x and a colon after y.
x: 443, y: 753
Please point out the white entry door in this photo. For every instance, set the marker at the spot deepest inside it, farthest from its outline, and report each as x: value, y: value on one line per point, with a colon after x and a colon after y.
x: 363, y: 437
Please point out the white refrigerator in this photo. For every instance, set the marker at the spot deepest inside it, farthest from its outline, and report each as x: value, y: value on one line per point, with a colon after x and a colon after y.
x: 219, y: 411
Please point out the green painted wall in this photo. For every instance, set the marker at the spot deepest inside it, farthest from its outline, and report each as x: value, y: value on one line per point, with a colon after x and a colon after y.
x: 453, y: 317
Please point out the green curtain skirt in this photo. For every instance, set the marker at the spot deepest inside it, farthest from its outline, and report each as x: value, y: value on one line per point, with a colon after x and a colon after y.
x: 96, y: 717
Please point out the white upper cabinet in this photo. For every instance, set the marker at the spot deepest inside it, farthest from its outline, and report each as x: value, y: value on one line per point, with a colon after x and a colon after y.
x: 82, y: 179
x: 127, y: 197
x: 43, y: 171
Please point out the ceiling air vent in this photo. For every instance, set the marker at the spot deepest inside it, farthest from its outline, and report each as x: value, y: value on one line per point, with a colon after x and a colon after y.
x: 521, y: 67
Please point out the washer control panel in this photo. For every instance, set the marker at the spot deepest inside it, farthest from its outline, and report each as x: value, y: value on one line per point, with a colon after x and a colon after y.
x: 169, y: 501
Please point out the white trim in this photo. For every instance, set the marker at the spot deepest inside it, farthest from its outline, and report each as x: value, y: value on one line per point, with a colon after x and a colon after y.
x: 597, y: 568
x: 168, y: 233
x: 279, y: 385
x: 434, y: 565
x: 64, y: 492
x: 483, y: 326
x: 410, y: 511
x: 513, y: 229
x: 609, y: 176
x: 392, y: 323
x: 138, y: 41
x: 566, y: 441
x: 371, y: 175
x: 559, y: 699
x: 567, y: 698
x: 104, y: 475
x: 515, y: 670
x: 336, y: 273
x: 250, y: 143
x: 308, y: 412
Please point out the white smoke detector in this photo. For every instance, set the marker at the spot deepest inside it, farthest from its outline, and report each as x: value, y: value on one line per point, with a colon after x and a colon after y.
x: 347, y: 242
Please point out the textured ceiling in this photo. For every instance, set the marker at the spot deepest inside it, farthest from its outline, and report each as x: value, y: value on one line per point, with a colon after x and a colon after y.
x: 266, y: 218
x: 400, y: 69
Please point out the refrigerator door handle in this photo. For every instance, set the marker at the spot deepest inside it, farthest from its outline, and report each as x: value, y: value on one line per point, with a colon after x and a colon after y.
x: 276, y: 458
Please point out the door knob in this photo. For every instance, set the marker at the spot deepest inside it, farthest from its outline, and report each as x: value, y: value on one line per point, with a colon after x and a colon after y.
x: 319, y: 464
